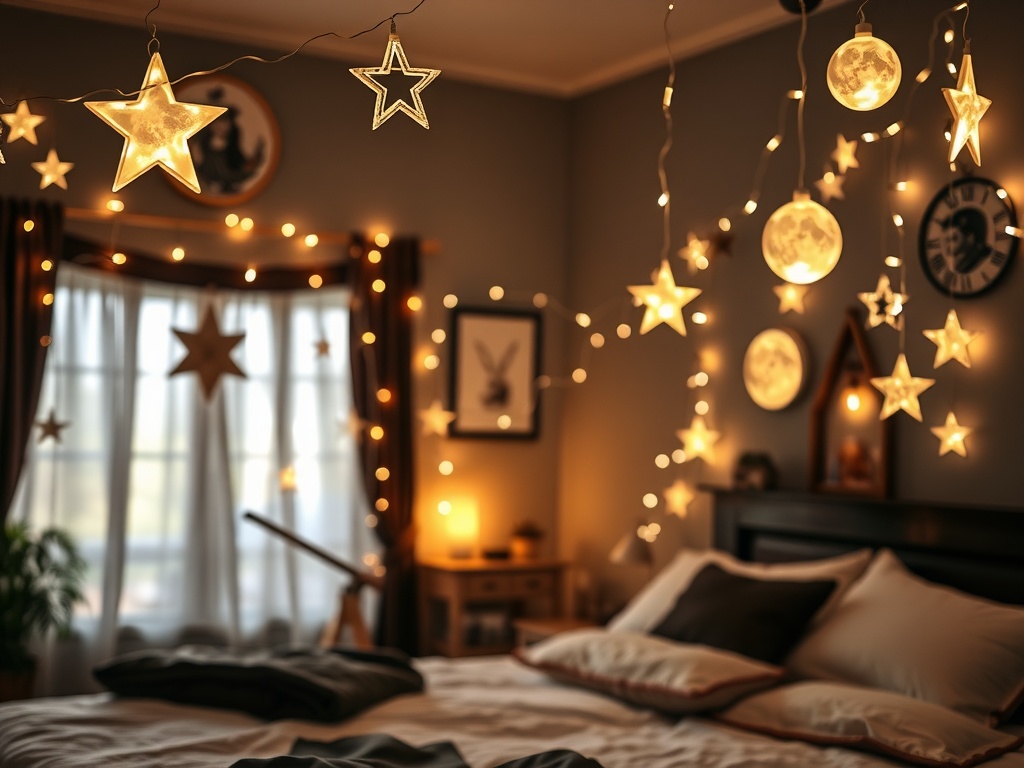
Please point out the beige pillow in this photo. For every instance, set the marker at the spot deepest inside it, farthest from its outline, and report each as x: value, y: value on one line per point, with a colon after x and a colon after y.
x: 656, y: 599
x: 896, y: 631
x: 866, y: 718
x: 649, y: 671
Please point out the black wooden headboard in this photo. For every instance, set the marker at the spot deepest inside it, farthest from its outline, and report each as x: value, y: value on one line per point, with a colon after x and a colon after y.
x: 976, y: 549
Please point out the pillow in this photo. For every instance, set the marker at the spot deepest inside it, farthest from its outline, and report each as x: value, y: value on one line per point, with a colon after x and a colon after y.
x: 655, y: 600
x: 865, y: 718
x: 896, y: 631
x: 753, y: 617
x: 648, y: 671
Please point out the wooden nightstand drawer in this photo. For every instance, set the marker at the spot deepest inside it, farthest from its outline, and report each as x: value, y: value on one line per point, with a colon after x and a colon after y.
x: 483, y: 585
x: 533, y: 583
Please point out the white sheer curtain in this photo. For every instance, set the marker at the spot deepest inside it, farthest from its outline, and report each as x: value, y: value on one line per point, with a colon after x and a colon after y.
x: 152, y: 480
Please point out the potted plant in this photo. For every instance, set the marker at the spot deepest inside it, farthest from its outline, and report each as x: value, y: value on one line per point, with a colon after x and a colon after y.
x: 525, y: 538
x: 40, y: 582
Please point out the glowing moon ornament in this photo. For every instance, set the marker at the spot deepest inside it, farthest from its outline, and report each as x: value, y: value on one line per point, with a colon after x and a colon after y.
x: 773, y: 368
x: 802, y: 241
x: 864, y: 72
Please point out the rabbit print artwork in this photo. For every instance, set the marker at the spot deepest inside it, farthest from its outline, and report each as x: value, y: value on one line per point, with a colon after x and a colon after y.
x: 497, y: 391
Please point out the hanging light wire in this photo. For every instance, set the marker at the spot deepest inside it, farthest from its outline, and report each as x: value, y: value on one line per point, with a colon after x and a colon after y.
x: 803, y: 95
x: 666, y: 104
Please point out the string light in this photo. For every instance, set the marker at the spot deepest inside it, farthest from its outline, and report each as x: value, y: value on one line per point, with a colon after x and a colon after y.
x: 368, y: 76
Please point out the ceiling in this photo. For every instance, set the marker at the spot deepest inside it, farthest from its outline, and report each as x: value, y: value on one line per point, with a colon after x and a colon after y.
x: 551, y: 47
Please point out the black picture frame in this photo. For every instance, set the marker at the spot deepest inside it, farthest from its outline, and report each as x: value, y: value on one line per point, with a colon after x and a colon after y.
x: 496, y: 357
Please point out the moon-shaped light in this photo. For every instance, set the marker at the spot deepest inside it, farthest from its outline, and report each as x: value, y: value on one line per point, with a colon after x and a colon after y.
x: 802, y: 241
x: 864, y: 72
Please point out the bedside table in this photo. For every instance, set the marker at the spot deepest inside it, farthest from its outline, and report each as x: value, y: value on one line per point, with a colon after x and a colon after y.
x: 531, y: 630
x: 467, y: 607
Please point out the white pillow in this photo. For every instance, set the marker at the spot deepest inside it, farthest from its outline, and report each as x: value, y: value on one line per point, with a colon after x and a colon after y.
x: 656, y: 599
x: 896, y: 631
x: 649, y: 671
x: 866, y: 718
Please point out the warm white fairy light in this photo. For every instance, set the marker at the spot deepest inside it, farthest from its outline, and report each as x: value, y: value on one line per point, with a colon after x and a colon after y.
x: 311, y: 241
x: 661, y: 461
x: 540, y: 300
x: 579, y: 375
x: 288, y: 229
x: 431, y: 362
x: 446, y: 467
x: 414, y: 303
x: 231, y: 219
x: 650, y: 500
x: 623, y: 331
x: 246, y: 224
x: 583, y: 320
x: 496, y: 292
x: 597, y: 340
x: 438, y: 335
x: 118, y: 258
x: 114, y: 205
x: 315, y: 281
x: 378, y: 286
x: 450, y: 300
x: 250, y: 274
x: 178, y: 253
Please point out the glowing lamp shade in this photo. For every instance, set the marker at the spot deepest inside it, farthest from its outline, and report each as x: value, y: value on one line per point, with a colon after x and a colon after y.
x: 462, y: 526
x: 864, y: 72
x: 802, y: 241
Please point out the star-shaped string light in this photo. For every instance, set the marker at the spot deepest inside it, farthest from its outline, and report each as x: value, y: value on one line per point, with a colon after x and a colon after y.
x: 156, y: 129
x: 323, y: 347
x: 901, y: 390
x: 664, y: 300
x: 951, y: 341
x: 884, y: 304
x: 209, y: 353
x: 22, y: 124
x: 51, y: 427
x: 677, y: 498
x: 53, y: 171
x: 845, y: 154
x: 695, y: 253
x: 951, y: 436
x: 968, y: 107
x: 830, y: 185
x: 698, y: 441
x: 423, y: 77
x: 791, y: 297
x: 436, y: 419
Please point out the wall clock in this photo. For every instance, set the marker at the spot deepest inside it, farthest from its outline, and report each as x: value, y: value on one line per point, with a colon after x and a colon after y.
x: 964, y: 246
x: 773, y: 368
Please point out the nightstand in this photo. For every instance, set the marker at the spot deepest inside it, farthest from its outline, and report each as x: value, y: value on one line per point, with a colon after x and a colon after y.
x: 467, y: 607
x: 531, y: 630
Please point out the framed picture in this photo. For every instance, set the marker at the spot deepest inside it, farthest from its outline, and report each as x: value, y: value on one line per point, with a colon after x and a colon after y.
x: 494, y: 371
x: 236, y: 155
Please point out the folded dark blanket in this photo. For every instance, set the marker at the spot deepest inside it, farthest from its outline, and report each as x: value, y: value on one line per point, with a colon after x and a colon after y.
x: 305, y: 684
x: 381, y: 751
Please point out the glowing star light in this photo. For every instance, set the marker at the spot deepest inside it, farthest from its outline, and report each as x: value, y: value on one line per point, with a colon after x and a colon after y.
x: 677, y: 498
x: 695, y: 254
x: 209, y: 353
x: 884, y: 304
x: 51, y: 427
x: 830, y: 185
x: 156, y: 129
x: 791, y: 297
x: 901, y: 390
x: 951, y: 341
x: 436, y: 419
x: 22, y: 124
x: 664, y: 300
x: 968, y: 108
x: 372, y: 77
x: 698, y: 441
x: 951, y: 436
x: 53, y: 170
x: 845, y: 154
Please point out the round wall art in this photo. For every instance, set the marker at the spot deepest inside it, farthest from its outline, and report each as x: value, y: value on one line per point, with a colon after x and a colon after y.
x: 236, y: 155
x: 774, y: 368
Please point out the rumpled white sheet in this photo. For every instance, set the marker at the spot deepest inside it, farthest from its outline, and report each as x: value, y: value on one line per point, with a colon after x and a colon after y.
x: 493, y: 709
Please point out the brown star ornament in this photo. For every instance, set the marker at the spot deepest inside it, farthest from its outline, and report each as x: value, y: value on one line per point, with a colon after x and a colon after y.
x: 209, y: 353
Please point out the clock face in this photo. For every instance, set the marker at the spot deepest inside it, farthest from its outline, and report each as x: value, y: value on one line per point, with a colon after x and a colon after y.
x: 773, y: 368
x: 964, y: 246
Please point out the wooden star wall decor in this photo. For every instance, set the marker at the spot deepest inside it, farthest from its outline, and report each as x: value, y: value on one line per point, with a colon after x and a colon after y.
x: 209, y: 353
x: 51, y: 427
x: 156, y: 129
x: 372, y: 77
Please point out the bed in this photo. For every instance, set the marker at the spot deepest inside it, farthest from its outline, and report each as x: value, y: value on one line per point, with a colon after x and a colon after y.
x: 551, y: 696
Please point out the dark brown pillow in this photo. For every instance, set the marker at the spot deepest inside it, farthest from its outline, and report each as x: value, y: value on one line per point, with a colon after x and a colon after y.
x: 757, y: 618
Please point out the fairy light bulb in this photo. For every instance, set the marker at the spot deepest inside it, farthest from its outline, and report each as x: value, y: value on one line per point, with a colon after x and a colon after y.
x: 802, y: 241
x: 864, y: 72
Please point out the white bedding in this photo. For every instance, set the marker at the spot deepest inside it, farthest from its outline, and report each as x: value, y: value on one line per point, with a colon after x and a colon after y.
x: 492, y: 708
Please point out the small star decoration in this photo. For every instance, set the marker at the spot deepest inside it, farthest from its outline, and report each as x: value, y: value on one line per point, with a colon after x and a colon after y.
x: 951, y: 436
x: 423, y: 77
x: 951, y: 341
x: 695, y: 253
x: 884, y: 304
x: 209, y: 353
x: 53, y: 171
x: 156, y: 129
x: 845, y: 154
x: 830, y: 185
x: 677, y: 498
x: 901, y: 390
x: 664, y: 300
x: 323, y: 347
x: 22, y: 124
x: 791, y: 297
x: 968, y: 108
x: 436, y: 419
x: 698, y: 441
x: 51, y: 427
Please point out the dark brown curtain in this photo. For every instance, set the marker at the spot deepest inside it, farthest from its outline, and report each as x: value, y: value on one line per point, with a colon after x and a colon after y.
x: 24, y: 325
x: 385, y: 364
